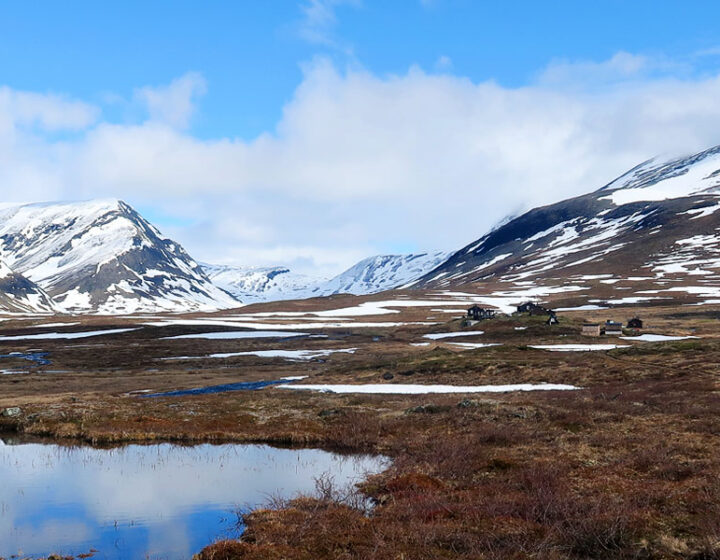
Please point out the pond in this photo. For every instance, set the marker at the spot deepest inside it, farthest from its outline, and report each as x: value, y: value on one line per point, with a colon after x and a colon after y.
x: 148, y: 501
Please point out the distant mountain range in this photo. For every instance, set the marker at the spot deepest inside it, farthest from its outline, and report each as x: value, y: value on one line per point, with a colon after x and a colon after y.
x: 102, y: 257
x: 652, y: 231
x: 371, y: 275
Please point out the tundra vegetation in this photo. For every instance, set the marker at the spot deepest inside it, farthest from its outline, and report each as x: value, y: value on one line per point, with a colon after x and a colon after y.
x: 626, y: 467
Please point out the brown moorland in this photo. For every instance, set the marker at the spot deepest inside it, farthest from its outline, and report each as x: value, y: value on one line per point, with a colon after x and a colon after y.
x: 626, y: 467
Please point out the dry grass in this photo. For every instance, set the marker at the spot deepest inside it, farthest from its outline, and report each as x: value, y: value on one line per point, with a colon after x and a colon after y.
x: 626, y: 468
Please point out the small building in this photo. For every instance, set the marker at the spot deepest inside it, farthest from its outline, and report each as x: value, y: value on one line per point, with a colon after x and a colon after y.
x: 613, y: 328
x: 525, y: 307
x: 478, y: 313
x: 635, y: 323
x: 534, y: 309
x: 552, y: 320
x: 591, y: 329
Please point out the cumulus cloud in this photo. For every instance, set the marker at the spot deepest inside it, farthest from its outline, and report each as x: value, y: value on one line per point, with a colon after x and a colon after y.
x: 49, y: 112
x: 173, y: 104
x: 361, y: 163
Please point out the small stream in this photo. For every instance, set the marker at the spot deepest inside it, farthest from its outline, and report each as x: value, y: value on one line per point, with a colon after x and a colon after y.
x: 148, y: 501
x: 35, y: 357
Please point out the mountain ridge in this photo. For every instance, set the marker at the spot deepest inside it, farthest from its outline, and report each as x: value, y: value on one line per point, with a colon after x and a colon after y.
x: 368, y: 276
x: 102, y: 256
x: 658, y: 221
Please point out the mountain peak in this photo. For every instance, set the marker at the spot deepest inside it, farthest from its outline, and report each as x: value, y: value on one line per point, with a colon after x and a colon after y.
x: 657, y: 220
x: 677, y: 177
x: 101, y: 255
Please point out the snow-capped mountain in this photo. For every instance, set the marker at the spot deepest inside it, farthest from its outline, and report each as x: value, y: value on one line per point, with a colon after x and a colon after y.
x: 383, y: 272
x: 371, y: 275
x: 20, y: 295
x: 259, y: 284
x: 102, y: 256
x: 657, y: 226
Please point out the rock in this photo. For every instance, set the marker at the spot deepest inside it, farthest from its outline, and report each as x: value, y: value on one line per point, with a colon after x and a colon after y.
x: 478, y: 403
x: 10, y: 412
x: 427, y: 409
x: 327, y: 412
x: 388, y: 376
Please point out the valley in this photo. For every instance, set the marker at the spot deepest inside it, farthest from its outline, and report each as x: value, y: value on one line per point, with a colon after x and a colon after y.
x: 594, y: 470
x: 526, y: 432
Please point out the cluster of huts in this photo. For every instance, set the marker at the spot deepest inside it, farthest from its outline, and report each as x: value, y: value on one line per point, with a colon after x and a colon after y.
x: 610, y: 328
x: 477, y: 313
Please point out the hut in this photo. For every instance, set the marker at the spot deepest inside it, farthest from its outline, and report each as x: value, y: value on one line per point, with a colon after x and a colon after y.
x: 478, y: 313
x: 591, y: 329
x: 525, y: 307
x: 613, y: 328
x: 635, y: 323
x: 533, y: 309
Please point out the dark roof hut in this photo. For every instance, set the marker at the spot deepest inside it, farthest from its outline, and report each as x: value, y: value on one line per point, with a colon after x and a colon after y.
x: 478, y: 313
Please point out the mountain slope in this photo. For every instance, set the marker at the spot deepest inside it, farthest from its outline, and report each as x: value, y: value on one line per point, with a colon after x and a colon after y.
x: 20, y: 295
x: 260, y: 284
x: 371, y: 275
x: 656, y: 226
x: 382, y: 272
x: 102, y: 256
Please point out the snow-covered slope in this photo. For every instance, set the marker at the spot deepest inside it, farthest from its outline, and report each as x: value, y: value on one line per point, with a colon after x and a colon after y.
x: 260, y: 284
x: 383, y: 272
x: 371, y: 275
x: 662, y: 180
x: 102, y: 256
x: 20, y: 295
x: 657, y: 227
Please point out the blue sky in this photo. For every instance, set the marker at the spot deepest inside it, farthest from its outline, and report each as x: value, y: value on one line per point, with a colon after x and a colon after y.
x: 251, y: 52
x: 313, y: 132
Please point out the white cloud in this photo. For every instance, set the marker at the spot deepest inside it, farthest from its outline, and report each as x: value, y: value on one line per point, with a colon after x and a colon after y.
x: 711, y: 51
x: 443, y: 63
x: 361, y: 163
x: 173, y: 104
x: 49, y: 112
x: 319, y: 20
x: 620, y: 66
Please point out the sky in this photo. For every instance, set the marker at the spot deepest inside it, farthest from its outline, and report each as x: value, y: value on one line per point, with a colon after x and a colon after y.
x: 314, y: 133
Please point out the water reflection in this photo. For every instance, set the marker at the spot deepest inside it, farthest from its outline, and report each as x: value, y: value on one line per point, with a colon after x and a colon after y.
x: 159, y: 501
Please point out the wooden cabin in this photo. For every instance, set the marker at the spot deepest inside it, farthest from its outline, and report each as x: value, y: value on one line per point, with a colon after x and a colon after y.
x: 591, y: 329
x: 635, y: 323
x: 534, y: 309
x: 613, y: 328
x: 478, y: 313
x: 525, y: 307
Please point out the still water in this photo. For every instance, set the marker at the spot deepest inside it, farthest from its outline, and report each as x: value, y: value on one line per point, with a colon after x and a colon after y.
x: 148, y: 501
